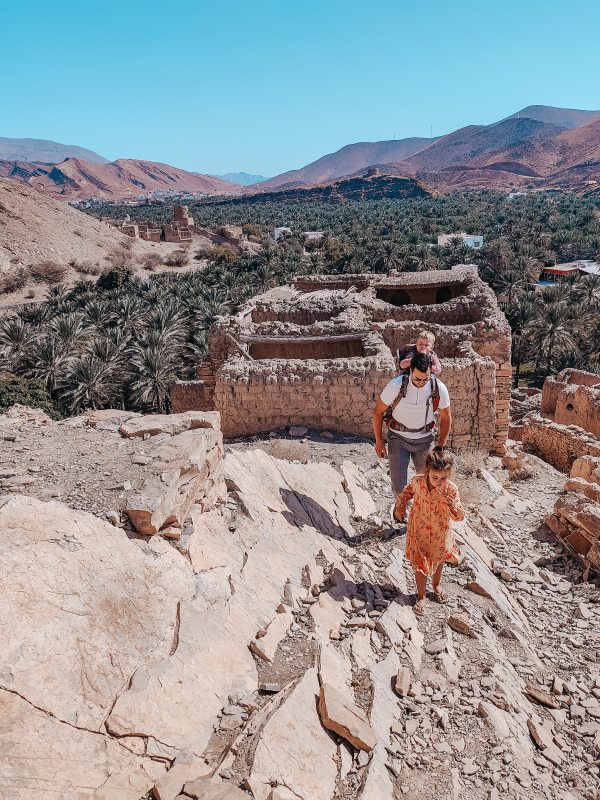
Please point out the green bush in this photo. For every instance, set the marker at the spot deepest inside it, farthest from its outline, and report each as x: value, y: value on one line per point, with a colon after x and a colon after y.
x: 28, y: 392
x: 115, y: 278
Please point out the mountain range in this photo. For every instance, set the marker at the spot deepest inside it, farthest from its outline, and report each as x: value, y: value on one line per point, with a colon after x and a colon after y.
x: 242, y: 178
x: 45, y: 152
x: 74, y: 179
x: 532, y: 144
x: 537, y: 147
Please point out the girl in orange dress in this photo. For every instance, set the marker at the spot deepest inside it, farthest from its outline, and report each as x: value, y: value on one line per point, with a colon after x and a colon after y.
x: 429, y: 537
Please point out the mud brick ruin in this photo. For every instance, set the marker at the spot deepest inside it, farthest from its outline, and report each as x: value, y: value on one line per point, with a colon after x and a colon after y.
x: 318, y: 351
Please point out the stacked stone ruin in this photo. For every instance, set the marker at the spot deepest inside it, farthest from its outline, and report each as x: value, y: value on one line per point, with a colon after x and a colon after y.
x: 318, y: 351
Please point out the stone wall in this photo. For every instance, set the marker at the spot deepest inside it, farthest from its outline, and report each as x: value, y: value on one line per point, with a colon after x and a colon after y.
x: 559, y: 445
x: 187, y: 395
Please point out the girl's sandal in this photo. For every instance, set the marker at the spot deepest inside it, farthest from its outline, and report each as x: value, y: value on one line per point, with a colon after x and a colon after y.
x: 419, y: 608
x: 441, y: 596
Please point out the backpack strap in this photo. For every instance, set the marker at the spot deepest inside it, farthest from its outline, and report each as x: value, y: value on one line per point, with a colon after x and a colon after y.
x: 435, y: 393
x: 401, y: 392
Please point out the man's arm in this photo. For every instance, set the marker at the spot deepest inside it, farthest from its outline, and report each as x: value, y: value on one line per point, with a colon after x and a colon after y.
x: 445, y: 423
x: 377, y: 427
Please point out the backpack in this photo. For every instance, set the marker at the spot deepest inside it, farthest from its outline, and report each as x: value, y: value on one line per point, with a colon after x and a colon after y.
x: 434, y: 398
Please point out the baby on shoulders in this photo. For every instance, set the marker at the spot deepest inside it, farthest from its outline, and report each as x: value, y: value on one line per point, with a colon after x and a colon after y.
x: 424, y: 344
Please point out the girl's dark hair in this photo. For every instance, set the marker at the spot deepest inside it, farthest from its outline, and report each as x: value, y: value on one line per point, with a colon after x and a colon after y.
x: 442, y: 460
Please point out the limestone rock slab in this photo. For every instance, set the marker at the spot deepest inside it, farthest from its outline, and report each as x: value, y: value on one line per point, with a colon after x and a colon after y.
x: 340, y: 714
x: 356, y: 485
x: 266, y: 646
x: 328, y: 614
x: 296, y: 748
x: 45, y: 759
x: 153, y: 424
x: 84, y: 607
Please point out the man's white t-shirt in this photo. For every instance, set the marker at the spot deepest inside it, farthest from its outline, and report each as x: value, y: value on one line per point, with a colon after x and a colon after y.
x: 410, y: 411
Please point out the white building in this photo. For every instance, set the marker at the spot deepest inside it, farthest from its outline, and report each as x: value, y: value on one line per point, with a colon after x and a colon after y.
x: 279, y: 232
x: 474, y: 242
x: 313, y: 235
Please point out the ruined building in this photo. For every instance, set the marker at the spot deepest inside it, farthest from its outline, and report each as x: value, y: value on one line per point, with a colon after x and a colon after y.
x: 318, y: 352
x: 179, y: 230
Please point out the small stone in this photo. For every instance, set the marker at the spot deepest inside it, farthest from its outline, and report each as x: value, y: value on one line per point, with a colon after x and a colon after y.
x: 397, y: 728
x: 411, y: 726
x: 298, y: 432
x: 270, y: 687
x: 141, y: 459
x: 326, y: 435
x: 125, y: 486
x: 541, y: 696
x: 438, y: 646
x: 477, y: 588
x: 403, y: 681
x: 281, y: 609
x: 459, y: 623
x: 171, y: 532
x: 230, y: 723
x: 506, y: 633
x: 33, y: 469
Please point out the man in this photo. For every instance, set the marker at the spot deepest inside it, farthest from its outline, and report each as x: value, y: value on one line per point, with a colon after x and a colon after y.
x: 413, y: 399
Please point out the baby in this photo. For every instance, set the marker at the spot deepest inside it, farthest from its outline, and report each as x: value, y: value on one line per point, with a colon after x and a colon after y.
x: 424, y: 344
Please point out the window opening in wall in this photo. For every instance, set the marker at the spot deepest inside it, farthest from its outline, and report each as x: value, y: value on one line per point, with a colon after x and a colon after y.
x: 308, y: 350
x: 443, y: 294
x: 569, y: 406
x: 400, y: 298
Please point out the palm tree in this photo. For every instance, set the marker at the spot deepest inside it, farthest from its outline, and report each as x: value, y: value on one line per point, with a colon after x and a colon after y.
x: 520, y: 316
x: 153, y: 370
x: 89, y: 384
x: 48, y: 360
x: 264, y: 277
x: 510, y: 282
x: 552, y: 330
x: 71, y: 330
x: 588, y: 289
x: 16, y: 338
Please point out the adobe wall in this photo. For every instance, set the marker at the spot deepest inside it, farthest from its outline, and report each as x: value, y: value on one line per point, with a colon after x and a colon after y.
x: 338, y: 394
x: 579, y: 405
x: 189, y: 395
x: 559, y: 445
x: 553, y: 386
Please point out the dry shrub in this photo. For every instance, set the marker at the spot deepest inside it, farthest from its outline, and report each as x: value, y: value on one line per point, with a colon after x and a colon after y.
x: 468, y: 462
x: 178, y: 258
x: 285, y: 449
x: 85, y: 267
x: 129, y: 243
x: 120, y: 257
x: 48, y: 272
x: 151, y: 261
x: 15, y: 282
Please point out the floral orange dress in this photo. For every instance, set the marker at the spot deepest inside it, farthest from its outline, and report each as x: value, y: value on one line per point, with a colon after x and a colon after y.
x: 429, y: 537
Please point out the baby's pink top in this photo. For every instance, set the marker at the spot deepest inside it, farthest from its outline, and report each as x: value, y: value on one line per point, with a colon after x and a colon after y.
x: 436, y: 367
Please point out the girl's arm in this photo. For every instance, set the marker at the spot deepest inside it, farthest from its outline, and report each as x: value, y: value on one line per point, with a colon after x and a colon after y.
x: 455, y: 508
x: 402, y: 499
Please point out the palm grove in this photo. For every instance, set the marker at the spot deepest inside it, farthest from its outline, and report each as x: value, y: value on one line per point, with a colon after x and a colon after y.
x: 123, y: 340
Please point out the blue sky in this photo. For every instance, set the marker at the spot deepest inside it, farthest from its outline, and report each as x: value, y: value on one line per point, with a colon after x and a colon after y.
x: 267, y: 86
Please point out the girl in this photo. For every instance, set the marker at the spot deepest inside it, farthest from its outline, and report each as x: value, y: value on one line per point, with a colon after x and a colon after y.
x: 429, y: 537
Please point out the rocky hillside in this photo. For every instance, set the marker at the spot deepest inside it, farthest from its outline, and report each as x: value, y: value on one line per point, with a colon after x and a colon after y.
x: 75, y: 179
x: 562, y: 117
x: 45, y: 151
x: 263, y: 643
x: 374, y: 188
x: 36, y: 229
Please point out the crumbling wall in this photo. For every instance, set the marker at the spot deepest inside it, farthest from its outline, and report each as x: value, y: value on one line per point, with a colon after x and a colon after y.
x: 336, y: 393
x: 188, y: 396
x: 553, y: 386
x: 559, y: 445
x: 579, y: 405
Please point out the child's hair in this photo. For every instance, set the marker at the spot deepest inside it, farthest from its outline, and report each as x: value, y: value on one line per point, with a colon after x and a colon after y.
x: 441, y: 460
x: 429, y: 337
